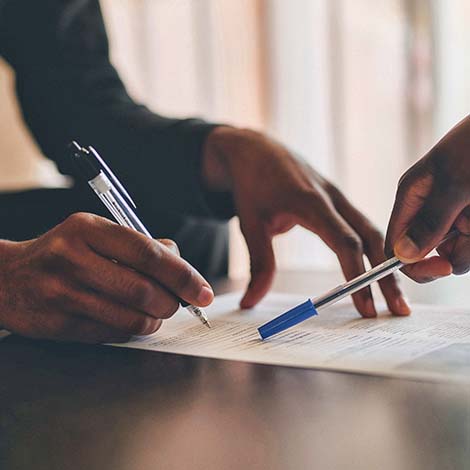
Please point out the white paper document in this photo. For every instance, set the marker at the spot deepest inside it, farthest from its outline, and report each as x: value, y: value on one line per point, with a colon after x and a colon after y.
x: 432, y: 343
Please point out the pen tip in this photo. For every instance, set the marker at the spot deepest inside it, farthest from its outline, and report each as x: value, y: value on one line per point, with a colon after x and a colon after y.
x: 207, y: 324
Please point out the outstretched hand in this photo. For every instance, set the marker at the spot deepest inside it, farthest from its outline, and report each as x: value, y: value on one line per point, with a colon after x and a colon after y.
x: 274, y: 191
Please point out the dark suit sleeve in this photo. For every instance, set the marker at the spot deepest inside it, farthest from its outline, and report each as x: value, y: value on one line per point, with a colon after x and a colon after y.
x: 68, y: 90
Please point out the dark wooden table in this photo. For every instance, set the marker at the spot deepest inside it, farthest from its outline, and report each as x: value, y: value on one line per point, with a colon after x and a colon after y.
x: 95, y: 407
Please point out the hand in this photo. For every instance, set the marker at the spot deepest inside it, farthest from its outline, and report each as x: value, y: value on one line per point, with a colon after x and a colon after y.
x: 273, y: 191
x: 433, y: 197
x: 91, y: 280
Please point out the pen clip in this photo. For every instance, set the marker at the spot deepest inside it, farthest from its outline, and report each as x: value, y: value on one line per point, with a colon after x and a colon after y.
x: 111, y: 175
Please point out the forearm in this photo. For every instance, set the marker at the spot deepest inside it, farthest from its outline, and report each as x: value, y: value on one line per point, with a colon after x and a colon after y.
x: 68, y: 90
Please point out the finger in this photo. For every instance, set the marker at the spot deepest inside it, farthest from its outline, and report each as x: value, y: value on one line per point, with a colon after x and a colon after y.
x: 462, y: 224
x: 88, y: 304
x: 423, y: 213
x: 446, y: 247
x: 61, y: 327
x: 455, y: 248
x: 429, y: 226
x: 429, y: 269
x: 262, y: 262
x: 342, y: 239
x: 457, y: 252
x: 374, y: 250
x: 434, y: 267
x: 150, y: 258
x: 126, y: 286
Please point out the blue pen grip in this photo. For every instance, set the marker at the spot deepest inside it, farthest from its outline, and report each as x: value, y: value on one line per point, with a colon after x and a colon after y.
x: 286, y: 320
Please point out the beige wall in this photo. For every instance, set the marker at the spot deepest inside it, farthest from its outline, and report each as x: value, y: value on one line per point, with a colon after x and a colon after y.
x: 21, y: 163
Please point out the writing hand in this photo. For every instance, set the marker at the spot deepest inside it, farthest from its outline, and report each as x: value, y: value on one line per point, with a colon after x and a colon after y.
x: 91, y: 280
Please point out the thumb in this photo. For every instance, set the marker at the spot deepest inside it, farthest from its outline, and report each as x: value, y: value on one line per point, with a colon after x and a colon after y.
x: 262, y: 263
x: 429, y: 225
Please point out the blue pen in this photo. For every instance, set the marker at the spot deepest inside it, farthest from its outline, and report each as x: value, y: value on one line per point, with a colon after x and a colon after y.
x: 311, y: 307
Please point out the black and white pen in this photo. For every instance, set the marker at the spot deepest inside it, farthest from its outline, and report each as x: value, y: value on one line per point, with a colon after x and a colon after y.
x: 117, y: 200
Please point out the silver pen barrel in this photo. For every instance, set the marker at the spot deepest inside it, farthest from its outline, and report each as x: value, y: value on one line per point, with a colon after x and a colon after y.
x: 116, y: 204
x: 356, y: 284
x: 374, y: 274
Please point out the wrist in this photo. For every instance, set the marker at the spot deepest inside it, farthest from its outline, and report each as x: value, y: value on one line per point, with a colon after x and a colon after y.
x: 215, y: 173
x: 224, y: 145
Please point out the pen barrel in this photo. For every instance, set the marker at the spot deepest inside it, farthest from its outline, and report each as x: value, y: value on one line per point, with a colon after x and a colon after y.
x: 116, y: 204
x: 358, y: 283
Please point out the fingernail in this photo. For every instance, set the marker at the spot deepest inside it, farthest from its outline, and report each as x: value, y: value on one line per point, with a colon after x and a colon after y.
x: 406, y: 249
x: 205, y: 296
x: 401, y: 307
x: 369, y: 309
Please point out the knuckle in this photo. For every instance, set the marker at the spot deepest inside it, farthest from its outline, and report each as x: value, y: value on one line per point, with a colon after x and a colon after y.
x: 62, y: 255
x: 59, y: 247
x: 140, y: 293
x: 55, y: 292
x: 79, y: 218
x: 352, y: 242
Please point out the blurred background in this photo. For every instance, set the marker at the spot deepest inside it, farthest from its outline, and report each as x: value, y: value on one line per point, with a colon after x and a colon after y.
x: 360, y: 89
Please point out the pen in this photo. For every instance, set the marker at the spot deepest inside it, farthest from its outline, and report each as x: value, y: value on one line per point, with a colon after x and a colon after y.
x: 115, y: 197
x: 311, y: 307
